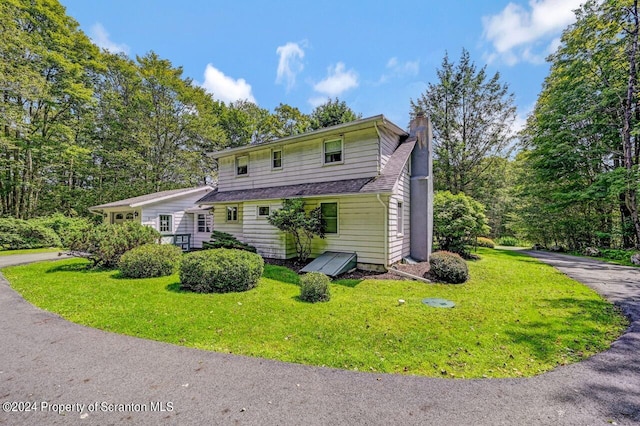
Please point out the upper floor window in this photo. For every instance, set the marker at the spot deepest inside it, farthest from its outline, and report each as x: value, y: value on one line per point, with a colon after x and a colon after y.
x: 276, y: 159
x: 330, y: 216
x: 242, y: 165
x: 165, y: 223
x: 333, y: 151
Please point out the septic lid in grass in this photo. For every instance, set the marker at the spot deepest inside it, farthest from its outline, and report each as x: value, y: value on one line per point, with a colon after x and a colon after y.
x: 438, y: 303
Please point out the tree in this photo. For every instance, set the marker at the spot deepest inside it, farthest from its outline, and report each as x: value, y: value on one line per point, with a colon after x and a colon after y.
x: 293, y: 218
x: 472, y: 116
x: 582, y: 143
x: 331, y: 113
x: 45, y: 89
x: 457, y: 221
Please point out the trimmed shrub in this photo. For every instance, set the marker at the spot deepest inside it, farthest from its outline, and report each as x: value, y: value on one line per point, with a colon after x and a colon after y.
x: 220, y: 271
x: 508, y: 241
x: 150, y: 260
x: 314, y: 287
x: 448, y: 267
x: 106, y: 243
x: 228, y: 241
x: 69, y: 229
x: 16, y: 234
x: 485, y: 242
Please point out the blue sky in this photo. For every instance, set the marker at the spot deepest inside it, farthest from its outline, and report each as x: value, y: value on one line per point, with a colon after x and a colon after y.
x: 374, y: 55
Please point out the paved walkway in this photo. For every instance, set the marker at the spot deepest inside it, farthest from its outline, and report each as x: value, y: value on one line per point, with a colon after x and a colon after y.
x: 47, y: 360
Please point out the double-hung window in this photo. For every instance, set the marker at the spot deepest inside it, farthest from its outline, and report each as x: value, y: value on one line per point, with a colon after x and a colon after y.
x: 333, y: 151
x: 242, y: 165
x: 204, y: 224
x: 276, y: 159
x: 330, y: 216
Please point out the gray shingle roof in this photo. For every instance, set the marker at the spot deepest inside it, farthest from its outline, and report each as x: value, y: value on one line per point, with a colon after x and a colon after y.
x: 383, y: 183
x: 143, y: 199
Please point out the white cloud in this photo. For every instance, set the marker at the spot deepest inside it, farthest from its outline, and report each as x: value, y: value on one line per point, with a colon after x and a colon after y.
x: 337, y: 81
x: 100, y: 37
x: 397, y: 69
x: 225, y: 88
x: 517, y: 31
x: 290, y: 63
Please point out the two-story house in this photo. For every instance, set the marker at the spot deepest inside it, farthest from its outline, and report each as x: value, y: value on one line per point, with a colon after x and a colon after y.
x: 370, y: 178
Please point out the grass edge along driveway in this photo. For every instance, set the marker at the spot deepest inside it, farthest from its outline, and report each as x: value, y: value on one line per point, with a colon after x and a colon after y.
x: 515, y: 317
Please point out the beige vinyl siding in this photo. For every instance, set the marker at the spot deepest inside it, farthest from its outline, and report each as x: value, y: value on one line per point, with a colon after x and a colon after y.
x: 360, y: 228
x: 388, y: 143
x: 257, y: 231
x: 399, y: 245
x: 303, y: 162
x: 221, y: 224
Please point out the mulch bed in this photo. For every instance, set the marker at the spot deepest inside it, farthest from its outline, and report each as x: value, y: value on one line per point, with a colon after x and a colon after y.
x: 418, y: 269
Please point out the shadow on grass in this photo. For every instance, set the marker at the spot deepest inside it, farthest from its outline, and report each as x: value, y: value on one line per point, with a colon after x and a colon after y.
x: 75, y: 267
x: 348, y: 282
x: 176, y: 288
x: 281, y: 273
x: 569, y: 333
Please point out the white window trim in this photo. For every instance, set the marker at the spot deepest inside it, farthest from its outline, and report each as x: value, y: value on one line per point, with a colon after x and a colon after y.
x: 170, y: 223
x: 324, y: 153
x: 281, y: 158
x: 226, y: 213
x: 262, y: 216
x: 207, y: 223
x: 337, y: 233
x: 235, y: 165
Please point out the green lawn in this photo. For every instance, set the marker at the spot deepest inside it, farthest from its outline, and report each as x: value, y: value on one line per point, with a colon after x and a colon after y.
x: 515, y: 317
x: 30, y: 251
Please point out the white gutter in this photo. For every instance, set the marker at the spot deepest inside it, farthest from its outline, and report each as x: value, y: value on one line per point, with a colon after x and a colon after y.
x: 386, y: 230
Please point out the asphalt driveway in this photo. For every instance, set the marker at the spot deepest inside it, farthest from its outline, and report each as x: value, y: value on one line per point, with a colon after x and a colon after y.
x: 106, y: 378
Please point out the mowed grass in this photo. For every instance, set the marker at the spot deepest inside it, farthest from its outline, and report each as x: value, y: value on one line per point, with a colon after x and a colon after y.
x: 30, y: 251
x: 515, y: 317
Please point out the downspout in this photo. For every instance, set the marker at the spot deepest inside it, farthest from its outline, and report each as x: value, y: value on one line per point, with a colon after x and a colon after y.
x: 386, y: 230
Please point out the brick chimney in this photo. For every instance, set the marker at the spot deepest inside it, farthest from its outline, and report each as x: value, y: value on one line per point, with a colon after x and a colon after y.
x: 421, y: 213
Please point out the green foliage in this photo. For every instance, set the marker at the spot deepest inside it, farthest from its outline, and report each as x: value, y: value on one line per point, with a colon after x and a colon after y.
x: 517, y: 317
x: 457, y: 221
x: 293, y: 218
x: 485, y: 242
x: 220, y: 271
x: 472, y: 115
x: 228, y: 241
x: 332, y: 113
x: 22, y: 234
x: 106, y: 243
x: 314, y: 287
x: 508, y: 241
x: 448, y: 267
x: 150, y: 260
x: 70, y: 230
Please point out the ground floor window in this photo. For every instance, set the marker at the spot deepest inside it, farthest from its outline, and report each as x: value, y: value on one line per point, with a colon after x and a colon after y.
x: 165, y: 223
x: 232, y: 213
x: 400, y: 219
x: 263, y: 211
x: 330, y: 216
x: 204, y: 223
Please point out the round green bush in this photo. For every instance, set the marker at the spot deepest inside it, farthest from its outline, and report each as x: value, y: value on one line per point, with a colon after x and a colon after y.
x: 314, y: 287
x: 485, y: 242
x: 150, y: 260
x: 220, y: 271
x: 448, y: 267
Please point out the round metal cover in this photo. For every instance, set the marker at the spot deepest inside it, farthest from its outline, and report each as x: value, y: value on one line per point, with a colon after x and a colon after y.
x: 438, y: 303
